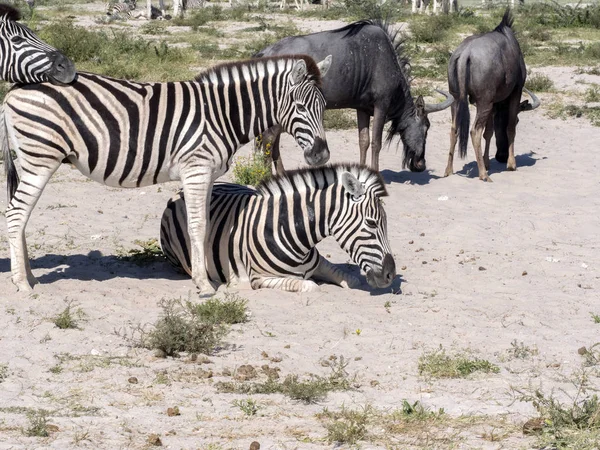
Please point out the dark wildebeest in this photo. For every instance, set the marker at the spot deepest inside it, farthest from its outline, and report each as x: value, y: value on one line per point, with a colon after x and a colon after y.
x: 369, y: 74
x: 488, y: 69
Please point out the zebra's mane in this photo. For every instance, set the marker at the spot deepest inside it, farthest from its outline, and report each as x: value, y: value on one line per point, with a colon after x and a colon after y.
x: 313, y: 70
x: 9, y: 12
x: 320, y: 178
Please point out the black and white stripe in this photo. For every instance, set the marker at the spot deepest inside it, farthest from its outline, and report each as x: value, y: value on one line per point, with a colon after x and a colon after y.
x: 25, y: 58
x: 268, y: 236
x: 128, y: 134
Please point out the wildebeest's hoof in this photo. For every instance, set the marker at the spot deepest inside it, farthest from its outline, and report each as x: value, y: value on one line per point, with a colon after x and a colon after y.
x: 485, y: 177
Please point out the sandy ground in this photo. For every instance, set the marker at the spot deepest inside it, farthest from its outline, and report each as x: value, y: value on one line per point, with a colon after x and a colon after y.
x: 480, y: 266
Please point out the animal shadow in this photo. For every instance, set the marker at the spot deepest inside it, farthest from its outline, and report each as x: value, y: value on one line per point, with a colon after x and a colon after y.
x: 525, y: 160
x: 354, y: 270
x: 95, y: 267
x: 405, y: 176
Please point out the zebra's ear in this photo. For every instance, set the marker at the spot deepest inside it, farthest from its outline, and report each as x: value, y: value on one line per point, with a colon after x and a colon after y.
x: 299, y: 71
x: 352, y: 185
x: 324, y: 65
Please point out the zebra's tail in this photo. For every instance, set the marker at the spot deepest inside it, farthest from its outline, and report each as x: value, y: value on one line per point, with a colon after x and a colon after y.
x: 462, y: 113
x: 12, y: 178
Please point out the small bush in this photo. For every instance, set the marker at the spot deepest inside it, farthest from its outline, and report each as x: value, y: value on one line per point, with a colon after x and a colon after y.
x: 38, y: 424
x: 431, y: 29
x: 233, y: 309
x: 3, y: 372
x: 339, y: 119
x: 595, y: 317
x: 347, y: 426
x: 519, y: 350
x: 592, y: 94
x: 252, y: 170
x: 150, y: 252
x: 540, y: 34
x: 154, y: 27
x: 539, y: 83
x: 247, y: 406
x: 66, y: 319
x: 438, y: 364
x: 180, y: 329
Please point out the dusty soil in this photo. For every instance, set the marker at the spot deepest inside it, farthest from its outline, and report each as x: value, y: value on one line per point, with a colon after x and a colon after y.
x: 481, y: 265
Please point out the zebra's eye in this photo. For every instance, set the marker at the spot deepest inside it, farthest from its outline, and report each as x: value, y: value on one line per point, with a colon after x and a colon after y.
x: 16, y: 39
x: 371, y: 223
x: 301, y: 107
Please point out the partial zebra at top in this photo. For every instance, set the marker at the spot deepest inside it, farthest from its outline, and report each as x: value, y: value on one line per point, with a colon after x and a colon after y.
x: 25, y: 58
x: 268, y: 236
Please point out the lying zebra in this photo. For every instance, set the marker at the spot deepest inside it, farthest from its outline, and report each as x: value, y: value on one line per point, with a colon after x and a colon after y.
x: 268, y: 236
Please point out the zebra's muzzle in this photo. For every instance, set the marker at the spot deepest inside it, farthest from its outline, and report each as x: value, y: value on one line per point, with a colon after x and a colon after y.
x: 318, y: 154
x: 62, y: 70
x: 384, y: 277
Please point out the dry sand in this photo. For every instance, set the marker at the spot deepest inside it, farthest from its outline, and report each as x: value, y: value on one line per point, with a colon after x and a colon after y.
x: 463, y: 245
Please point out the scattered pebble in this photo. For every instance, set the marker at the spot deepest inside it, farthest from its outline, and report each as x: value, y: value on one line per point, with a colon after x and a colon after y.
x: 533, y: 426
x: 255, y: 446
x: 276, y: 359
x: 133, y: 380
x: 443, y: 198
x: 420, y: 249
x: 422, y: 234
x: 403, y: 268
x: 94, y: 352
x: 287, y: 346
x: 265, y: 355
x: 245, y: 372
x: 584, y: 265
x: 160, y: 353
x: 95, y: 237
x: 524, y: 273
x: 424, y: 262
x: 154, y: 439
x: 481, y: 268
x: 550, y: 259
x: 411, y: 242
x: 226, y: 372
x: 271, y: 372
x: 173, y: 411
x: 582, y: 351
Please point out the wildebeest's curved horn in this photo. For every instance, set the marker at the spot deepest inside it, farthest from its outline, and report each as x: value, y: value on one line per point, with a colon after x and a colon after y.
x: 435, y: 107
x: 526, y: 106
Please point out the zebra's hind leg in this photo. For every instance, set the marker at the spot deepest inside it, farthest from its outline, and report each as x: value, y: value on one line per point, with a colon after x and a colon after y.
x: 197, y: 187
x: 283, y: 284
x: 327, y: 272
x: 19, y: 210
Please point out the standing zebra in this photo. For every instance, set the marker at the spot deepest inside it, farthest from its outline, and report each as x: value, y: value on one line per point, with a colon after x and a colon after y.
x: 127, y: 134
x: 268, y: 236
x: 24, y: 58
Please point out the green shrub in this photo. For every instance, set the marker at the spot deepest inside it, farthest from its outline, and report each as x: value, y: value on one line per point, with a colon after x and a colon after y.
x: 431, y: 29
x: 252, y: 170
x: 232, y: 309
x: 438, y: 364
x: 339, y: 119
x: 539, y: 83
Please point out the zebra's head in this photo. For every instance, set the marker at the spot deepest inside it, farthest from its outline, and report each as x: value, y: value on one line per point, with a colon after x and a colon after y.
x: 361, y: 226
x: 25, y: 58
x: 302, y: 108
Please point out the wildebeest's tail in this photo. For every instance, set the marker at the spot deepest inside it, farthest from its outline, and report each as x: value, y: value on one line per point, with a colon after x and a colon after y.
x: 12, y: 178
x: 463, y: 118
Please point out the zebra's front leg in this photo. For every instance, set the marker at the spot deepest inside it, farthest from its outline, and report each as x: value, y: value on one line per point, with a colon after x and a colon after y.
x: 329, y: 273
x: 197, y: 187
x: 19, y: 210
x: 283, y: 284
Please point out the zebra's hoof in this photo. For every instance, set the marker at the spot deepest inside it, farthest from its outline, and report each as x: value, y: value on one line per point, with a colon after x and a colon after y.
x: 25, y: 284
x: 205, y: 289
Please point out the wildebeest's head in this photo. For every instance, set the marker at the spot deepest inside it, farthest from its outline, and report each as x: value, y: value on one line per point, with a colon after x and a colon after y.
x: 359, y: 225
x: 413, y: 126
x: 302, y: 108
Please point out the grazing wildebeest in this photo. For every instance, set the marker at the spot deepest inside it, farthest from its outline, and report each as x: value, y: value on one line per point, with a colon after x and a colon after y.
x: 489, y: 71
x: 369, y: 74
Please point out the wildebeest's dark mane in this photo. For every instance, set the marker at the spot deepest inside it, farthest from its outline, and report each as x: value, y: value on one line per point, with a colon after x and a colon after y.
x: 9, y: 12
x: 507, y: 21
x: 362, y: 172
x: 311, y: 66
x: 395, y: 36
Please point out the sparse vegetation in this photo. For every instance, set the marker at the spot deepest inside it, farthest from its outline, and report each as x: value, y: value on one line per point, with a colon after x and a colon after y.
x: 150, y: 252
x: 339, y: 119
x: 68, y: 319
x: 518, y: 350
x: 595, y: 317
x: 232, y: 309
x: 248, y: 406
x: 252, y: 170
x: 185, y: 327
x: 539, y: 83
x: 347, y: 426
x: 3, y: 372
x: 438, y: 364
x: 38, y: 424
x: 592, y: 94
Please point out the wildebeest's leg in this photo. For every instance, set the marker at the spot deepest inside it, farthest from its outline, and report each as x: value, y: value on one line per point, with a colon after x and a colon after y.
x: 19, y: 209
x: 378, y: 123
x: 276, y: 154
x: 511, y: 129
x: 487, y: 135
x: 197, y: 187
x: 483, y: 112
x: 453, y: 139
x: 329, y: 273
x: 363, y: 120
